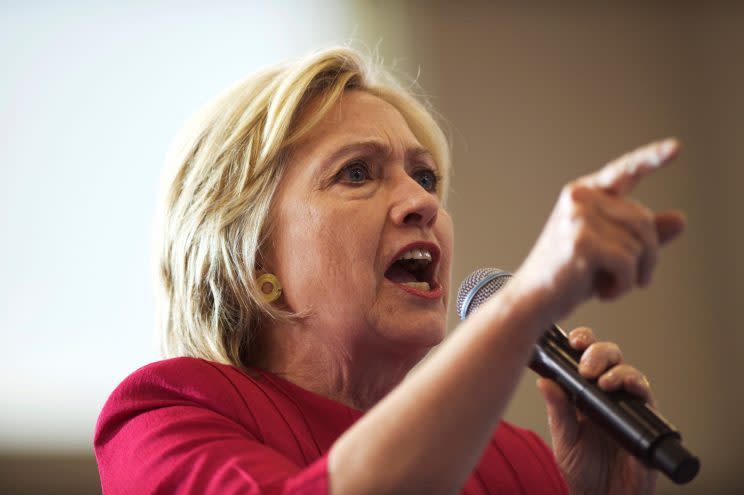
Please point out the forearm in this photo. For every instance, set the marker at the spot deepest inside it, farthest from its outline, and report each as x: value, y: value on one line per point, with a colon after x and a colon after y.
x: 428, y: 434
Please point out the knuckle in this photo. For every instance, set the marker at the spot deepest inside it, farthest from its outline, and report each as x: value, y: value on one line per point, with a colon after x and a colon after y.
x: 576, y: 191
x: 591, y: 361
x: 591, y: 352
x: 632, y: 376
x: 610, y: 350
x: 624, y: 371
x: 582, y: 242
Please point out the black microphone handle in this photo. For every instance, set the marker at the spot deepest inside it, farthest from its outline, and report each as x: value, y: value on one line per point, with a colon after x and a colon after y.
x: 638, y: 428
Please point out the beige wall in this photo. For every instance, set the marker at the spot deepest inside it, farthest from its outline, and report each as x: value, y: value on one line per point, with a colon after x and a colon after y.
x: 536, y: 96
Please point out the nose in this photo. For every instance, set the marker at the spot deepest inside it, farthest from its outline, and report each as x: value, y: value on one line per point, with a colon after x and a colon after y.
x: 413, y: 205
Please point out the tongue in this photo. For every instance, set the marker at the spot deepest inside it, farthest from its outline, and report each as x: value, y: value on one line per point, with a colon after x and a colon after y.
x: 399, y: 275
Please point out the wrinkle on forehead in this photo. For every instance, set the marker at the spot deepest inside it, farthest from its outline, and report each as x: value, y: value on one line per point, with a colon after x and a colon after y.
x: 347, y: 123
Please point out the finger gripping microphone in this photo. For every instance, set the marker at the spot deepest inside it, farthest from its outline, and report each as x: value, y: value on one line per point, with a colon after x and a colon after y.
x: 632, y: 423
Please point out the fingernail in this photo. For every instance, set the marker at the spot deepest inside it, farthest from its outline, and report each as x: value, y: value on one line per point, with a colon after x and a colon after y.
x: 667, y: 146
x: 660, y: 152
x: 578, y: 340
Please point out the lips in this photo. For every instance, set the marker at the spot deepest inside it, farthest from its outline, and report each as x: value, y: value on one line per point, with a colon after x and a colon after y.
x: 413, y: 269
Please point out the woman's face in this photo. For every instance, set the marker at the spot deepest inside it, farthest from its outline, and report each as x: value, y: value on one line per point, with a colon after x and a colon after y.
x: 358, y: 195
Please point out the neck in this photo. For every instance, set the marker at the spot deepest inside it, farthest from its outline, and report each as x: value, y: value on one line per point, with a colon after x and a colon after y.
x: 357, y: 375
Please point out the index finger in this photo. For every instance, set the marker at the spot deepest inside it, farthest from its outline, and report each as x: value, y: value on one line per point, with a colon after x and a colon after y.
x: 620, y: 176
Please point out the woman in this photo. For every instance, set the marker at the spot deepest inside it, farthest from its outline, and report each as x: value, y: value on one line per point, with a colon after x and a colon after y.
x: 305, y: 264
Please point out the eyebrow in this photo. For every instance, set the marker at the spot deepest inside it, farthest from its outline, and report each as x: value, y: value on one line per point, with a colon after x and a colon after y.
x: 373, y: 147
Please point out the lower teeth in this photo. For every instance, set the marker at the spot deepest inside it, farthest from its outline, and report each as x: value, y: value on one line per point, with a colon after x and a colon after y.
x: 424, y: 286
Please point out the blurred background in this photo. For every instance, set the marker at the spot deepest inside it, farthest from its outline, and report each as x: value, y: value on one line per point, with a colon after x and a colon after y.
x: 531, y: 95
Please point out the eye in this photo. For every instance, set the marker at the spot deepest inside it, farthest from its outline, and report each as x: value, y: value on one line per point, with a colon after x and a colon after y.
x: 355, y: 172
x: 428, y: 179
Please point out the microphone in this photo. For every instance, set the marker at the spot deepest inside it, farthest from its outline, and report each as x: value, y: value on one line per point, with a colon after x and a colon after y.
x: 627, y: 418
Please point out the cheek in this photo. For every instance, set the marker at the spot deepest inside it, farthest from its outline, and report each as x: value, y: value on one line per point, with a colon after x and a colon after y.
x: 348, y: 245
x: 445, y: 235
x: 444, y: 232
x: 326, y: 253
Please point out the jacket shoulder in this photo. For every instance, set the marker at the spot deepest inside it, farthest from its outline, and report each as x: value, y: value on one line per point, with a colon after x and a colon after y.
x: 182, y: 381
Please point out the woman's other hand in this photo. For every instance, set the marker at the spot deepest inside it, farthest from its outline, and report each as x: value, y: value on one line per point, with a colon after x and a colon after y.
x: 597, y: 241
x: 591, y: 461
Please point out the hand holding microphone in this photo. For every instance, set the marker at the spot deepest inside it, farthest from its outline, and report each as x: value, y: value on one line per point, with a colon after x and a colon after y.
x: 625, y: 417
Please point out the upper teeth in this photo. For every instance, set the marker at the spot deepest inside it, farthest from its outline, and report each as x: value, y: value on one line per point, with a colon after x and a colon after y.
x: 416, y: 254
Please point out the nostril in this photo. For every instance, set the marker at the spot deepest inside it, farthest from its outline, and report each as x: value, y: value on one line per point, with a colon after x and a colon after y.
x: 413, y: 218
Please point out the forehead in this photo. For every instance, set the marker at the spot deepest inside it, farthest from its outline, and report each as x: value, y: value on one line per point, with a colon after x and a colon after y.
x: 358, y: 116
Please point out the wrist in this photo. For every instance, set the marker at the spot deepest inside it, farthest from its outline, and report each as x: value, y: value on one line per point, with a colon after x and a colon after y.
x: 534, y: 304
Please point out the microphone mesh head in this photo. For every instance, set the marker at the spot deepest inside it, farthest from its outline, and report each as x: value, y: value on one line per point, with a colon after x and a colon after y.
x: 479, y: 286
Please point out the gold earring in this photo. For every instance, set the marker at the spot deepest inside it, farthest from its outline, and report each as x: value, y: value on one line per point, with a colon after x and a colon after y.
x: 270, y: 287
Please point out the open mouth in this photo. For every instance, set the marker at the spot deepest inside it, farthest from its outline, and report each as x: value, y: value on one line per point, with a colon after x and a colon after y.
x: 414, y: 268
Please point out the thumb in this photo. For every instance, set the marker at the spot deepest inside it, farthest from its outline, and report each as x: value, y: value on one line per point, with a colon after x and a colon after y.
x: 562, y: 418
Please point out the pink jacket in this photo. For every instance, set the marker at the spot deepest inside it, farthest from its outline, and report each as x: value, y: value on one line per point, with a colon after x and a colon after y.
x: 187, y: 425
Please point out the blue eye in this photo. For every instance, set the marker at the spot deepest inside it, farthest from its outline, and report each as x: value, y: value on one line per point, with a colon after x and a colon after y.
x: 427, y: 178
x: 355, y: 172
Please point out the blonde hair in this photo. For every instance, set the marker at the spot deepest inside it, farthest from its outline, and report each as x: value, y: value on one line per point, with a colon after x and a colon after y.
x: 221, y: 176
